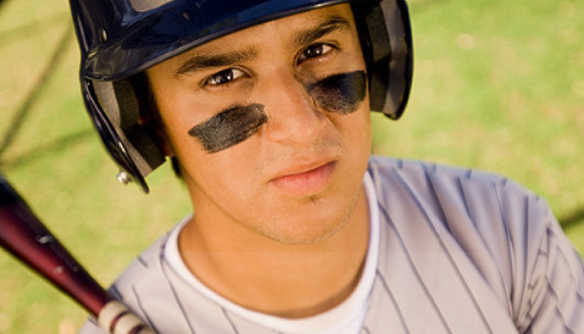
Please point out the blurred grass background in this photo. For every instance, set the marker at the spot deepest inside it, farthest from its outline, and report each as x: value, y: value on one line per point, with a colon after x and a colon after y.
x: 499, y: 86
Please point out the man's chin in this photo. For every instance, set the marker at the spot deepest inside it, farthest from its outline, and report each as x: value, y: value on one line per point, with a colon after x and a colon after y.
x: 311, y: 228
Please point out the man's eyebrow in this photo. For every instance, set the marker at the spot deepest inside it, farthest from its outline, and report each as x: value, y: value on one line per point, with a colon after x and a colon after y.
x: 331, y: 24
x: 203, y: 61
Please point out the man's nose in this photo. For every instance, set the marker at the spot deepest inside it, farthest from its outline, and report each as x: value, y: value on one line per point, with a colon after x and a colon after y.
x: 292, y: 112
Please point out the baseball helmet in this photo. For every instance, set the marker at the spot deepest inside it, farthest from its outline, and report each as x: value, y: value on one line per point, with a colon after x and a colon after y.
x: 121, y: 38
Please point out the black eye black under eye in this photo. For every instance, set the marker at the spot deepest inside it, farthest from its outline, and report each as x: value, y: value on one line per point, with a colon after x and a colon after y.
x: 340, y: 93
x: 230, y: 127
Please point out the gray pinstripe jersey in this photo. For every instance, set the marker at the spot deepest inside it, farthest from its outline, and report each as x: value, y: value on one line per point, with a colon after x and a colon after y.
x: 461, y: 252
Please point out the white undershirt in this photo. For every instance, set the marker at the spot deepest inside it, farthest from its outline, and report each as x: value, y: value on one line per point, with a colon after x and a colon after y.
x: 346, y: 318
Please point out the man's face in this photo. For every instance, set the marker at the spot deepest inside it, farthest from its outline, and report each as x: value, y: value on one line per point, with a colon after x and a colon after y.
x: 271, y: 125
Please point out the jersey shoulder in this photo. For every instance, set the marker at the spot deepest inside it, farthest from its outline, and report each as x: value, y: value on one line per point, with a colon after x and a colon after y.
x: 444, y: 189
x: 507, y: 232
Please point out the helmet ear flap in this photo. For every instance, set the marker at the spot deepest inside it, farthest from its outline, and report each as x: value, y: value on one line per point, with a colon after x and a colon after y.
x: 386, y: 39
x: 133, y: 146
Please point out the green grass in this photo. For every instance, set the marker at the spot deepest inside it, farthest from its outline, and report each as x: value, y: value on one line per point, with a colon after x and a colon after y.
x: 498, y: 86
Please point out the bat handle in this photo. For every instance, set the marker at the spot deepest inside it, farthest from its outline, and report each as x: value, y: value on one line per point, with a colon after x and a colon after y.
x: 27, y: 238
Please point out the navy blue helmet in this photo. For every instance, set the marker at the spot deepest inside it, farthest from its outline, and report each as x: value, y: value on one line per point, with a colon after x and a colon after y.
x: 121, y: 38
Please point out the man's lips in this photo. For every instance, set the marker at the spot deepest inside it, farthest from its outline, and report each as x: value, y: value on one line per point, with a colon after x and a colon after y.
x: 305, y: 180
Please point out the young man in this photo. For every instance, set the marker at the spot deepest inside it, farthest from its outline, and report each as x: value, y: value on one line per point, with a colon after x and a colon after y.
x: 264, y: 108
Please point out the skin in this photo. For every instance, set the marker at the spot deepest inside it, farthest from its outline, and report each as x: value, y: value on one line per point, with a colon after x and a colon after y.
x: 281, y: 219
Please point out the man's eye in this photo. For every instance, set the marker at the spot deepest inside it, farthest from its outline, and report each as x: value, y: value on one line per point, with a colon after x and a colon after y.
x: 224, y: 77
x: 314, y: 51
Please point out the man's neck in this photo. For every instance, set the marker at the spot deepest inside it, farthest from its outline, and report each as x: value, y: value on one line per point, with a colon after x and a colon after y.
x: 290, y: 281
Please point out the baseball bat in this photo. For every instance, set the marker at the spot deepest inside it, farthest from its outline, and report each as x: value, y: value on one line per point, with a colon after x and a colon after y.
x: 23, y: 235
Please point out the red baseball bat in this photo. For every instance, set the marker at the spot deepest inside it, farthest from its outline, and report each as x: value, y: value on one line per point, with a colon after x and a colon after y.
x: 23, y: 235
